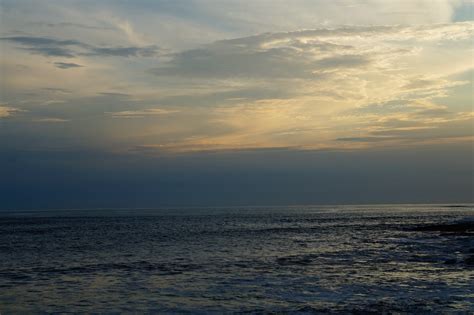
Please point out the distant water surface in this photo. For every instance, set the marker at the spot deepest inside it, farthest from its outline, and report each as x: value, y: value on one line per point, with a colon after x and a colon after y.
x: 307, y: 259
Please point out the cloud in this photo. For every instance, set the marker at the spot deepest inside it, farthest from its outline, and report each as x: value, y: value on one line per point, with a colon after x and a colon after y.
x: 41, y: 41
x: 74, y: 25
x: 147, y: 51
x: 126, y: 27
x: 67, y: 65
x: 46, y: 46
x: 365, y: 139
x: 299, y: 89
x: 416, y: 126
x: 51, y: 120
x: 6, y: 111
x: 265, y: 15
x: 228, y: 59
x: 141, y: 113
x: 206, y: 148
x: 343, y: 61
x: 308, y: 53
x: 114, y: 94
x: 310, y: 87
x: 51, y: 47
x: 57, y: 90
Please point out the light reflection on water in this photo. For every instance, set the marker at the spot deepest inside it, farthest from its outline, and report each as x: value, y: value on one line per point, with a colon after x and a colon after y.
x: 306, y: 259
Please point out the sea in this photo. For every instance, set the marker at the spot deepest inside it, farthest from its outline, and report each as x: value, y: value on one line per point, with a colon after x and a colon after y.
x: 376, y: 259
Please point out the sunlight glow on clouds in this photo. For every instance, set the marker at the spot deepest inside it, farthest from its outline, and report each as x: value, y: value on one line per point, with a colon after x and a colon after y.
x: 311, y: 76
x: 141, y: 113
x: 6, y: 111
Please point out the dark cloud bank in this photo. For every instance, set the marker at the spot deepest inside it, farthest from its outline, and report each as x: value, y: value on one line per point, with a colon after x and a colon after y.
x: 82, y: 179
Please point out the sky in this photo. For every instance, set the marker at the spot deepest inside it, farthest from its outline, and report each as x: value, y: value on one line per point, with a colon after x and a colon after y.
x: 107, y: 104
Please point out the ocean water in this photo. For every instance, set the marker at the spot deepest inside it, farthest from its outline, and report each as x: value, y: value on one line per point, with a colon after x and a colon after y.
x: 307, y: 259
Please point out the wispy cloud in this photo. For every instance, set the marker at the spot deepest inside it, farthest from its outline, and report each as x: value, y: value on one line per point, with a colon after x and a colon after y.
x: 67, y: 65
x: 51, y: 47
x: 6, y: 111
x: 142, y: 113
x: 73, y: 25
x: 147, y: 51
x: 51, y: 120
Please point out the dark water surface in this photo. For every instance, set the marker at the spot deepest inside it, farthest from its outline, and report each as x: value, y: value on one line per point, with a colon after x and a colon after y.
x: 305, y: 259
